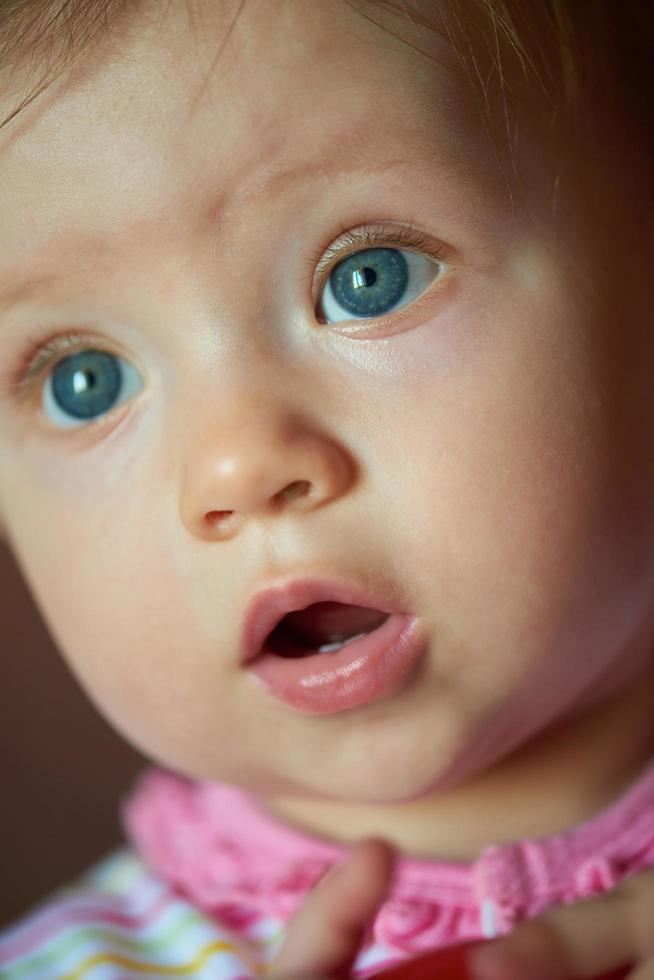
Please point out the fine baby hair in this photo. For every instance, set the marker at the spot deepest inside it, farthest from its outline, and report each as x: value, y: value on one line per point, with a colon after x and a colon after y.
x: 559, y: 47
x: 326, y: 452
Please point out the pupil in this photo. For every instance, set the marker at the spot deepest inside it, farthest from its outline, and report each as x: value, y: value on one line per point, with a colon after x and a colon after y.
x: 364, y: 277
x: 83, y: 380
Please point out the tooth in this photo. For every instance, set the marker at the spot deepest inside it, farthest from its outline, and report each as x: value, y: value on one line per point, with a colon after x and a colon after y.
x: 331, y: 647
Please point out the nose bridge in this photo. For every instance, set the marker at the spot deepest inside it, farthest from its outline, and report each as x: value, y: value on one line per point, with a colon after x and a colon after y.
x: 254, y: 450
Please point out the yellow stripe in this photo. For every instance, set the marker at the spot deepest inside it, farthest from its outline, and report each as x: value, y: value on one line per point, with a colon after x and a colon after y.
x: 160, y: 970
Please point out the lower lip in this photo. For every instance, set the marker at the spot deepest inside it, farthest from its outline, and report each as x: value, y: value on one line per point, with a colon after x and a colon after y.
x: 361, y: 672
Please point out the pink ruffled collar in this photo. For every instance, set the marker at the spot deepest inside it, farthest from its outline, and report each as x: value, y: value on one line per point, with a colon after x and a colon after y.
x: 228, y: 856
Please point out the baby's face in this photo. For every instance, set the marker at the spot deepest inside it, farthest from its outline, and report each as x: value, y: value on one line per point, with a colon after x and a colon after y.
x: 480, y: 451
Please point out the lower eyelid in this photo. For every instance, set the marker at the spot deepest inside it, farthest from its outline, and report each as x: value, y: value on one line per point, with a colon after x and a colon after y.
x: 445, y: 272
x: 392, y: 323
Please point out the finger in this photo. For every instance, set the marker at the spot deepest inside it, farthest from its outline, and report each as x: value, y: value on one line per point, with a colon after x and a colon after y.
x: 644, y: 972
x: 585, y: 939
x: 326, y: 933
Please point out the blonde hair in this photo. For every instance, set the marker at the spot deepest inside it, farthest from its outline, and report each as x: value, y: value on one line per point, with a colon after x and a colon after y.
x: 562, y: 50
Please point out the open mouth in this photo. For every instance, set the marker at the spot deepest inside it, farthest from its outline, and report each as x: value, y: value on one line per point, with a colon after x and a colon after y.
x: 322, y: 627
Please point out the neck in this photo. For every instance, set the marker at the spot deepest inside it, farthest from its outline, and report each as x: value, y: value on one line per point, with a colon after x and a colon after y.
x: 556, y: 781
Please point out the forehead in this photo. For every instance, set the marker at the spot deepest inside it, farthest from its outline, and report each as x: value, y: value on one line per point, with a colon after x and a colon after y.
x: 195, y: 101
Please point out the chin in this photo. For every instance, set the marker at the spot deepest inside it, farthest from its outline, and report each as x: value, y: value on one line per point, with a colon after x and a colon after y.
x: 380, y: 783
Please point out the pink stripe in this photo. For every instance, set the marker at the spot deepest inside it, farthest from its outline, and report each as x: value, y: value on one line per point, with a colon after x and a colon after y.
x: 218, y: 845
x: 67, y: 915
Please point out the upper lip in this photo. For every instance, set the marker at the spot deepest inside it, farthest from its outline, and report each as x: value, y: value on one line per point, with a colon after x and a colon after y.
x: 269, y: 606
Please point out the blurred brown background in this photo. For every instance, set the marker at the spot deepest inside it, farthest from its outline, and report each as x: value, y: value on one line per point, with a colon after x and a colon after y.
x: 64, y: 770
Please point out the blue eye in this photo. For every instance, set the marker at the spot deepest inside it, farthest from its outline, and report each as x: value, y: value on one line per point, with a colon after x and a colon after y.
x: 87, y: 385
x: 374, y: 282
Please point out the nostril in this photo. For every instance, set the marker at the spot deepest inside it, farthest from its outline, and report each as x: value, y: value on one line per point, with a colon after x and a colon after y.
x: 224, y: 520
x: 227, y: 521
x: 299, y: 488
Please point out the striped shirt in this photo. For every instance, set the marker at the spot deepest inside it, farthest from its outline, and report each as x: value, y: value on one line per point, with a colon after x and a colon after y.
x: 208, y: 882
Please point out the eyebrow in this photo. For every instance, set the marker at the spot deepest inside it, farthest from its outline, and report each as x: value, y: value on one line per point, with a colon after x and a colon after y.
x: 358, y: 161
x: 25, y: 289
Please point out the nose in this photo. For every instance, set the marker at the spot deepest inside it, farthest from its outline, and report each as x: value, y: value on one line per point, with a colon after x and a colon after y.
x: 258, y: 465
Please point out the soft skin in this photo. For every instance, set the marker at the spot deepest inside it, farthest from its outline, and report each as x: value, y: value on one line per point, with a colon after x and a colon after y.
x: 483, y: 456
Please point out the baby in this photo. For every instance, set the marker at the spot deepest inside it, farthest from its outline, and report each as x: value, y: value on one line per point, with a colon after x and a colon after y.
x: 327, y: 452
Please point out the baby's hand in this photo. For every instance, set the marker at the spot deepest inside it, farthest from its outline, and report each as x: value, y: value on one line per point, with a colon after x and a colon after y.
x: 325, y: 935
x: 590, y: 938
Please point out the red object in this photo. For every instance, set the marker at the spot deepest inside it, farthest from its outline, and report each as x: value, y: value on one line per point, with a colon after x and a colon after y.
x: 449, y: 964
x: 444, y: 964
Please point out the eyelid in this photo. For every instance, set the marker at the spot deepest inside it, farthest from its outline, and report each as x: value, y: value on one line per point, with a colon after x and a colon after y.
x: 364, y: 236
x: 39, y: 355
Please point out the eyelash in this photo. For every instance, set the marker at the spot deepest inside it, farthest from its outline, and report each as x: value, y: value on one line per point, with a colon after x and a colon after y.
x: 39, y: 356
x: 324, y: 260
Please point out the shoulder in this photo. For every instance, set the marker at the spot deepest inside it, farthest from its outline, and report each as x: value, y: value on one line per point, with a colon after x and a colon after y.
x: 118, y: 921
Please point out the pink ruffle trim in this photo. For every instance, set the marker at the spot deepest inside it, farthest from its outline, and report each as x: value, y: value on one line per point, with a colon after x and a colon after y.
x: 219, y: 848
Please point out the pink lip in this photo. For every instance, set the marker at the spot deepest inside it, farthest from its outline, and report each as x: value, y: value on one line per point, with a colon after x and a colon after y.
x: 323, y: 683
x: 269, y: 606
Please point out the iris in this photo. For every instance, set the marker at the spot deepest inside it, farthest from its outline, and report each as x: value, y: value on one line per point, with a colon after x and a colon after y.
x: 370, y: 282
x: 87, y: 384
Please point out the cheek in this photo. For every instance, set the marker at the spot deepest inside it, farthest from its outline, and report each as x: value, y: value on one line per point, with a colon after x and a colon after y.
x: 529, y: 545
x: 119, y: 610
